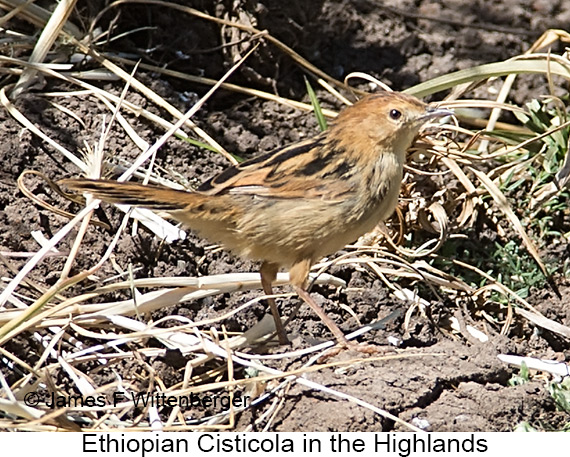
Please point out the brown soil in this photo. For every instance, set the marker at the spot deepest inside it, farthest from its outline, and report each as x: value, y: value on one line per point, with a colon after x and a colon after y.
x: 453, y: 384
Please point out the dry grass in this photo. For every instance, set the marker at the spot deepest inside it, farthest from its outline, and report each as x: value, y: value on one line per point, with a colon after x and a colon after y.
x: 405, y: 254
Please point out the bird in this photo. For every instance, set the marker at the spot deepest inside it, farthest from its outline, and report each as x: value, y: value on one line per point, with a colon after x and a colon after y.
x: 290, y: 207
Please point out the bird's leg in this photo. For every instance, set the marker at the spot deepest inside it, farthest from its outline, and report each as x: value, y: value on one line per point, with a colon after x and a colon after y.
x: 298, y: 275
x: 337, y: 332
x: 268, y: 272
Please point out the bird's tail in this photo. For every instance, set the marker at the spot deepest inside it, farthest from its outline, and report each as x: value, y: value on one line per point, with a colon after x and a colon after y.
x: 126, y: 193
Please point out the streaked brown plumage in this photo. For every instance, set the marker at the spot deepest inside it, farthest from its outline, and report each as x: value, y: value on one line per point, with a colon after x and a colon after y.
x: 294, y: 205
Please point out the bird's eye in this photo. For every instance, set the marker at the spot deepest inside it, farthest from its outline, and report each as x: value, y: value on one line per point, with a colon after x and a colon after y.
x: 395, y: 114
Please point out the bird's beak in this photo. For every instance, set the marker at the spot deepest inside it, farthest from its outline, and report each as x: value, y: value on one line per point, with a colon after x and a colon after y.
x: 433, y: 112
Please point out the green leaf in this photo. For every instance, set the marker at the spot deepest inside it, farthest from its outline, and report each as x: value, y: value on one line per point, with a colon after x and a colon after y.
x: 316, y: 106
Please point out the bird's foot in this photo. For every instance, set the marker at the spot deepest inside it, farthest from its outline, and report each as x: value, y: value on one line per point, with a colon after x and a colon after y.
x: 364, y: 348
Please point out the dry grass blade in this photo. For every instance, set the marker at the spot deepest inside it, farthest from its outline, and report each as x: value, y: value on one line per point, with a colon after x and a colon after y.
x: 468, y: 212
x: 561, y: 181
x: 227, y: 86
x: 194, y: 12
x: 505, y: 207
x: 151, y: 301
x: 17, y: 10
x: 25, y: 319
x: 183, y: 119
x: 441, y: 227
x: 159, y: 100
x: 547, y: 39
x: 108, y: 98
x: 544, y: 322
x: 24, y: 121
x: 45, y: 42
x: 550, y: 366
x: 36, y: 15
x: 38, y: 257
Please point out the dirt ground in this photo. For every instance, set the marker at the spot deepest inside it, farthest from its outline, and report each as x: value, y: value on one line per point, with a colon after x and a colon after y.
x: 450, y: 383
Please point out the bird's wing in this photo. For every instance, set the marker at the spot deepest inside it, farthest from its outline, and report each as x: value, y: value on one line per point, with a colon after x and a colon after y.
x: 302, y: 170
